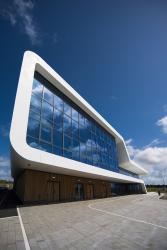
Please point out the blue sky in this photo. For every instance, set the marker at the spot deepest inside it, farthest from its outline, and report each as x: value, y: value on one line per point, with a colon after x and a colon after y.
x: 114, y: 53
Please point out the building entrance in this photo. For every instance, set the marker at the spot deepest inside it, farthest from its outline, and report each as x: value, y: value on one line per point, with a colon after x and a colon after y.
x: 79, y: 191
x: 53, y: 189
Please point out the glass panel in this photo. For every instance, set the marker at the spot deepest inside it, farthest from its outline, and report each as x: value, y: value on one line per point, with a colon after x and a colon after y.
x: 57, y: 151
x: 32, y: 142
x: 34, y: 115
x: 46, y: 133
x: 67, y: 124
x: 75, y: 114
x: 58, y: 103
x: 35, y: 104
x: 75, y: 129
x: 33, y: 128
x: 67, y: 109
x: 47, y: 111
x: 58, y: 118
x: 57, y: 138
x: 67, y: 153
x: 37, y: 88
x: 46, y: 147
x: 48, y: 95
x: 83, y: 152
x: 67, y: 142
x: 81, y: 120
x: 75, y: 149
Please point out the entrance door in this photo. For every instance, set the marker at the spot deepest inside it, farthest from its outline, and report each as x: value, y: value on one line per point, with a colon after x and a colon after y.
x: 53, y: 191
x: 89, y: 191
x: 79, y: 191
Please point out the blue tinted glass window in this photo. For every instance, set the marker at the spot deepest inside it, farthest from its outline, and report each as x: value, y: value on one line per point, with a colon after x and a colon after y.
x: 46, y: 133
x: 67, y: 142
x: 75, y: 114
x: 75, y: 149
x: 57, y: 125
x: 67, y: 109
x: 58, y: 118
x: 45, y: 147
x: 33, y: 127
x: 58, y: 103
x: 35, y: 104
x: 34, y: 115
x: 57, y: 151
x: 81, y: 120
x: 67, y: 124
x: 67, y: 153
x: 75, y: 129
x: 47, y: 111
x: 48, y: 96
x: 57, y: 138
x: 37, y: 88
x: 34, y: 143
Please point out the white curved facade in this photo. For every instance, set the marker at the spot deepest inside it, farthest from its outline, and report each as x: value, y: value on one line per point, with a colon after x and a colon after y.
x: 25, y: 157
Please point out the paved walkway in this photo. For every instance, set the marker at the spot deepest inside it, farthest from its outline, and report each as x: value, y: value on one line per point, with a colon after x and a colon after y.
x: 11, y: 237
x: 135, y: 222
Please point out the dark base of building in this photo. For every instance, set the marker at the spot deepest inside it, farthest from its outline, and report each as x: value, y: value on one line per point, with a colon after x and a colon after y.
x: 42, y: 187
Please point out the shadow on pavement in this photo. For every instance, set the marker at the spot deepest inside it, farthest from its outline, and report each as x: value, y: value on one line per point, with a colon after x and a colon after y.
x: 8, y: 203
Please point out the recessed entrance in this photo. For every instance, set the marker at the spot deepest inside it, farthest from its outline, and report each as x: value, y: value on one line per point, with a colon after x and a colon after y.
x: 79, y: 191
x: 53, y: 190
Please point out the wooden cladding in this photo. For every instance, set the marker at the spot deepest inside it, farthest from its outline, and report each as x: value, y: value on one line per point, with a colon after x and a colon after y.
x: 48, y: 187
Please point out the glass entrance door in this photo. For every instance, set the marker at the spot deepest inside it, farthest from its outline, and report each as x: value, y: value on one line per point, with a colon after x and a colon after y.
x: 79, y: 191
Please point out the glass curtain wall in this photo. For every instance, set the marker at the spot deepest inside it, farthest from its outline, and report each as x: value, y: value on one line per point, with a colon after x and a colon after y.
x: 60, y: 127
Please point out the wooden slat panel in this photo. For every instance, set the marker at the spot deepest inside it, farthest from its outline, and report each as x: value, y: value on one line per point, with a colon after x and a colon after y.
x: 48, y: 187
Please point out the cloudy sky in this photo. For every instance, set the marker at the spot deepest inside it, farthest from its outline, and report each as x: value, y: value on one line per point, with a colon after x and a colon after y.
x: 114, y: 53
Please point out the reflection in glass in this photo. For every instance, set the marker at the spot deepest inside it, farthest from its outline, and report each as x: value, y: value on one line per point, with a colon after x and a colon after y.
x: 37, y: 88
x: 35, y: 104
x: 46, y: 147
x: 67, y: 142
x: 57, y: 151
x: 47, y: 111
x: 33, y: 128
x: 67, y: 124
x: 46, y: 133
x: 34, y: 115
x: 48, y: 96
x: 34, y: 143
x: 67, y: 153
x: 57, y: 138
x: 58, y: 103
x: 67, y: 109
x: 62, y: 128
x: 74, y: 114
x: 58, y: 118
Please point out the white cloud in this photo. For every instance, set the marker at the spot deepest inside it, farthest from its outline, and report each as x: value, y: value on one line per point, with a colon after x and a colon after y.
x: 163, y: 124
x: 21, y: 12
x: 24, y: 11
x: 5, y: 172
x: 152, y: 158
x: 155, y: 142
x: 10, y: 16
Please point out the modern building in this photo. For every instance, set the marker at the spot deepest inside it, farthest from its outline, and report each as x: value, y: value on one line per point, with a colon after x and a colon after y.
x: 62, y: 149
